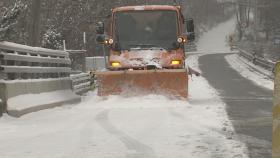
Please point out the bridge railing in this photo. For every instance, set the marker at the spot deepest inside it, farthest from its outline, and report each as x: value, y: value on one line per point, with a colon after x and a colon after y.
x: 81, y: 83
x: 25, y: 62
x: 31, y: 70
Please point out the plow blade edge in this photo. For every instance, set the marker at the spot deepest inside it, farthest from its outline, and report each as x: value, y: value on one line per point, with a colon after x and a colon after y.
x: 170, y: 82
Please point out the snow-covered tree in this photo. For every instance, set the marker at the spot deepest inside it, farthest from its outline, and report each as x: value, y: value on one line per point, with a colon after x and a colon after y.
x: 9, y: 18
x: 52, y: 39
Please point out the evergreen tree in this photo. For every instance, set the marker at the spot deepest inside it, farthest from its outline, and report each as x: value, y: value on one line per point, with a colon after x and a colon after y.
x: 52, y: 39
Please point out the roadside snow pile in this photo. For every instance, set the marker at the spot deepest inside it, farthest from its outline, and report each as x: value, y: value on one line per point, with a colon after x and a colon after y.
x: 35, y: 102
x: 32, y: 80
x: 214, y: 41
x: 248, y: 70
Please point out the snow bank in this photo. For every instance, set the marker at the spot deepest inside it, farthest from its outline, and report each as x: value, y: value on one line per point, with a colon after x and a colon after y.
x: 22, y: 104
x: 248, y: 70
x: 33, y: 80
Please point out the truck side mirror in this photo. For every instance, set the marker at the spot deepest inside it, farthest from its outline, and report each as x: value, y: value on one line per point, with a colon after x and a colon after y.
x: 191, y: 36
x: 100, y: 28
x: 190, y: 30
x: 100, y: 38
x: 190, y: 25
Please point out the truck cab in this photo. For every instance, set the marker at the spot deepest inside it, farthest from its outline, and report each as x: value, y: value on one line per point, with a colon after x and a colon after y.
x: 146, y: 37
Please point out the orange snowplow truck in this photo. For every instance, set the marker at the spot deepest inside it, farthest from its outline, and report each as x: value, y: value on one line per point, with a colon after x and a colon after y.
x: 146, y: 51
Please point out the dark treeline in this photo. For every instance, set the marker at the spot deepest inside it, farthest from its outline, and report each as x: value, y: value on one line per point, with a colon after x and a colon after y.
x: 47, y: 22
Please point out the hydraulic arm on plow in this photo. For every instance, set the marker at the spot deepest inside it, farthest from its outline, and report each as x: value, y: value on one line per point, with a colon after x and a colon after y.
x: 146, y: 51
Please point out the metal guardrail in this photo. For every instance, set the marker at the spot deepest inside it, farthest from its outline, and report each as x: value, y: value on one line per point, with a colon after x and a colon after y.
x: 81, y: 83
x: 269, y: 65
x: 25, y: 62
x: 276, y: 114
x: 1, y: 108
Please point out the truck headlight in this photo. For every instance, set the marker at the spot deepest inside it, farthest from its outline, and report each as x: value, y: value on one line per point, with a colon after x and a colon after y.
x: 109, y: 41
x: 181, y: 40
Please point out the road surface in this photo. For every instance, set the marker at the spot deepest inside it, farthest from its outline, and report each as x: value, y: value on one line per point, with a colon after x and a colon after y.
x: 249, y: 106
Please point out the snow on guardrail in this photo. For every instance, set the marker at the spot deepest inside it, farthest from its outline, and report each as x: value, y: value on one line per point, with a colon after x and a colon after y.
x: 32, y: 71
x: 265, y: 63
x: 81, y: 83
x: 24, y: 62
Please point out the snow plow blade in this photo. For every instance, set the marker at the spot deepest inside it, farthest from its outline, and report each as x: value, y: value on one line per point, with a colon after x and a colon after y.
x: 170, y: 82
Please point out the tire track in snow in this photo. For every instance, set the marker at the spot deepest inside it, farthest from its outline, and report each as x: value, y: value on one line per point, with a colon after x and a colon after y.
x: 139, y: 149
x: 86, y: 143
x: 214, y: 150
x: 173, y: 113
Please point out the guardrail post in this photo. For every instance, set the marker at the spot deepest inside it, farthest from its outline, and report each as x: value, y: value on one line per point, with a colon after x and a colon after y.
x: 1, y: 108
x: 276, y: 114
x: 2, y: 99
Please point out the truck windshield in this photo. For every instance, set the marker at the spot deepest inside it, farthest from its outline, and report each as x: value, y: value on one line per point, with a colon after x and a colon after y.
x: 146, y: 29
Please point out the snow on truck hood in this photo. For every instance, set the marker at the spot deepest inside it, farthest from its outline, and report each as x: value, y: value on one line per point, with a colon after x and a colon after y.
x: 147, y: 57
x: 138, y: 57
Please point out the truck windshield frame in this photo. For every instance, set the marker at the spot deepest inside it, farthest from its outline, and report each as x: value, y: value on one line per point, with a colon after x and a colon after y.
x: 145, y: 29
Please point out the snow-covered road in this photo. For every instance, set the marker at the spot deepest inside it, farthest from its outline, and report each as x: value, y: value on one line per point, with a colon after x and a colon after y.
x: 150, y: 126
x: 136, y: 127
x: 244, y: 87
x: 214, y: 41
